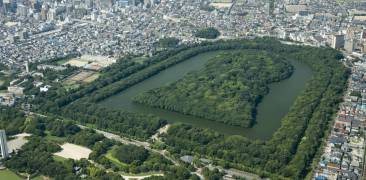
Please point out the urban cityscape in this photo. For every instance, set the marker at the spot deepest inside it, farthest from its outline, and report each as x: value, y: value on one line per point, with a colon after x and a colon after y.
x: 183, y: 89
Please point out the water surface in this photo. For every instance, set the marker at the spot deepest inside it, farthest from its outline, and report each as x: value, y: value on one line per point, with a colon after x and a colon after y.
x: 269, y: 112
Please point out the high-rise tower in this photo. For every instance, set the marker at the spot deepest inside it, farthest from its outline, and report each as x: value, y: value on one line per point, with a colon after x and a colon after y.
x: 3, y: 145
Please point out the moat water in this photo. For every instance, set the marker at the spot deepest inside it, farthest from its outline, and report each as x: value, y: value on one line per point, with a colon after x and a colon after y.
x: 273, y: 107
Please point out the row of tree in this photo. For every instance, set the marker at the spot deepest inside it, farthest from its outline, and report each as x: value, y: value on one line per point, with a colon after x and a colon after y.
x: 169, y: 42
x: 290, y: 151
x: 135, y: 125
x: 123, y: 68
x: 207, y: 33
x: 165, y: 60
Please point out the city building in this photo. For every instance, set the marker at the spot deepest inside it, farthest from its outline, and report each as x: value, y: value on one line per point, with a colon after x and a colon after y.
x: 3, y: 145
x: 15, y: 90
x: 337, y: 41
x: 349, y: 43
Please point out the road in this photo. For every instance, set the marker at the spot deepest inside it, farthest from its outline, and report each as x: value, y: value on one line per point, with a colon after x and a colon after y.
x: 235, y: 172
x: 128, y: 176
x: 139, y: 177
x: 123, y: 140
x: 164, y: 153
x: 146, y: 145
x: 232, y: 6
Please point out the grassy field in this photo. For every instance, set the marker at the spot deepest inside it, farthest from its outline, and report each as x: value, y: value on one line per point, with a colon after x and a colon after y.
x: 84, y: 77
x: 140, y: 59
x: 71, y: 86
x: 114, y: 160
x: 38, y: 178
x: 344, y: 1
x: 61, y: 62
x: 8, y: 175
x: 56, y: 139
x: 91, y: 78
x: 59, y: 158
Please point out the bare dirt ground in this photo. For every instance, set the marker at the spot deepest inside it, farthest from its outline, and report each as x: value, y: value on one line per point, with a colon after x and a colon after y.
x: 82, y: 77
x: 73, y: 151
x: 161, y: 131
x: 18, y: 142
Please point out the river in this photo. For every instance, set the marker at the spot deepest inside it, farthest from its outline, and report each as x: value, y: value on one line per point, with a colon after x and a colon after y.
x: 270, y: 111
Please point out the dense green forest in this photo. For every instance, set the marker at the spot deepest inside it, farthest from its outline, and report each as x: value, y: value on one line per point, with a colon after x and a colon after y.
x: 292, y: 148
x: 131, y: 153
x: 12, y: 120
x: 4, y: 78
x: 215, y: 174
x: 169, y: 42
x: 86, y: 138
x: 123, y: 68
x: 287, y: 154
x: 132, y: 159
x: 227, y: 89
x: 128, y: 124
x: 36, y: 158
x: 207, y: 33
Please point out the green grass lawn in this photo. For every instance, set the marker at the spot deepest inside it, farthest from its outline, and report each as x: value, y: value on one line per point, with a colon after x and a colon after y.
x: 71, y: 86
x: 56, y: 139
x: 61, y: 62
x: 140, y: 59
x: 59, y: 158
x: 114, y: 160
x: 9, y: 175
x: 38, y: 178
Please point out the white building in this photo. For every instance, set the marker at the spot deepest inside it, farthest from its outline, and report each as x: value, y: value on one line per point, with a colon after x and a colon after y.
x: 3, y: 145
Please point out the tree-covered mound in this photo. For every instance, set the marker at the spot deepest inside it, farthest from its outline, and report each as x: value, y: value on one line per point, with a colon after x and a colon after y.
x: 207, y: 33
x: 169, y: 42
x: 291, y: 153
x: 294, y: 148
x: 131, y: 153
x: 227, y: 89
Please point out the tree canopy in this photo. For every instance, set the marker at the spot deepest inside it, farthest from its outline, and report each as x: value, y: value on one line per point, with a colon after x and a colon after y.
x: 227, y: 89
x: 207, y: 33
x: 131, y: 153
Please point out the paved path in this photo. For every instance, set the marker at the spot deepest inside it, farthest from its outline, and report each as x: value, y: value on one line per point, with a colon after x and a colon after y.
x: 235, y: 172
x: 140, y: 177
x: 146, y: 145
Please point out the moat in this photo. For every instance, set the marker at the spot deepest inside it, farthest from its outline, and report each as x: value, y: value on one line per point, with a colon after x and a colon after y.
x: 273, y: 107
